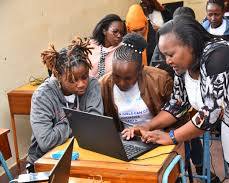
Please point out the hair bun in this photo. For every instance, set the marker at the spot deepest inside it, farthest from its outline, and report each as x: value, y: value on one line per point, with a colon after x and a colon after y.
x: 136, y: 41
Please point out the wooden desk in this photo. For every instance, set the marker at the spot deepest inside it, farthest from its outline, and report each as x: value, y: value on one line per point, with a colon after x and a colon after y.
x: 4, y: 143
x: 91, y: 164
x: 82, y: 180
x: 19, y: 104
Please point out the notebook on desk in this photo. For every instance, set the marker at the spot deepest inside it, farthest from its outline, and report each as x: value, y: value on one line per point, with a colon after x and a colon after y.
x: 99, y: 134
x: 59, y: 173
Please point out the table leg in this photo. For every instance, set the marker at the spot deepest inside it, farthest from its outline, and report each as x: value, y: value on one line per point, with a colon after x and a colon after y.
x: 15, y: 141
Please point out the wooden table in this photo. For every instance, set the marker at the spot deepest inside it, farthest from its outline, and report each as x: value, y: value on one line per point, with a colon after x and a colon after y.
x: 19, y: 104
x: 4, y: 143
x: 91, y: 164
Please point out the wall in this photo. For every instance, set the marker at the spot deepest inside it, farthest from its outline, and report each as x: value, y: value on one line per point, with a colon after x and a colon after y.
x: 27, y: 26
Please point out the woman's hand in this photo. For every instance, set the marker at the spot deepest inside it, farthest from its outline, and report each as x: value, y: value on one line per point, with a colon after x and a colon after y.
x: 155, y: 27
x: 156, y: 136
x: 129, y: 133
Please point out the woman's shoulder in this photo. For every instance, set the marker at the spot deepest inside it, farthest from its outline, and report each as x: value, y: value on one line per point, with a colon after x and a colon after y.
x: 106, y: 79
x: 211, y: 46
x: 155, y: 72
x: 93, y: 42
x: 216, y: 60
x: 45, y: 90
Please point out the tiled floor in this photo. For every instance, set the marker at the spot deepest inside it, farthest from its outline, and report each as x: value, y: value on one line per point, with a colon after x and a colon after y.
x: 217, y: 163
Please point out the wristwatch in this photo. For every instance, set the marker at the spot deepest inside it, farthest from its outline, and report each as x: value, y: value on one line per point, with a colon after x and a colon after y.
x: 171, y: 134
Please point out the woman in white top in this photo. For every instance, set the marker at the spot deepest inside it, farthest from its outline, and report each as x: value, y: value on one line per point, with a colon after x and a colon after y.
x: 192, y: 52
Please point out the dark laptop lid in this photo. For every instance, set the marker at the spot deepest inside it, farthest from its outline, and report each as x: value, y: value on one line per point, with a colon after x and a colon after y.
x: 96, y: 133
x: 61, y: 171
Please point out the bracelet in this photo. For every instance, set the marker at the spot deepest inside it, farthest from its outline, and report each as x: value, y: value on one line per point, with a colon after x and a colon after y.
x: 171, y: 134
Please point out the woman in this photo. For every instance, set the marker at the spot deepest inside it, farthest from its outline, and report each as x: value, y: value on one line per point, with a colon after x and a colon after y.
x: 106, y: 36
x: 202, y: 70
x: 69, y: 86
x: 133, y: 93
x: 215, y: 22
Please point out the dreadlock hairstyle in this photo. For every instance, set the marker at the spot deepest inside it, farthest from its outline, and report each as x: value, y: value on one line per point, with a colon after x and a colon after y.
x: 220, y: 3
x: 63, y: 61
x: 131, y: 49
x: 104, y: 24
x: 191, y: 33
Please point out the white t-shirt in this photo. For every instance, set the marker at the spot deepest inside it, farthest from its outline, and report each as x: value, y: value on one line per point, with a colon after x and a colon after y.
x: 194, y: 96
x: 156, y: 18
x: 132, y: 110
x: 219, y: 30
x: 70, y: 98
x: 193, y: 90
x: 226, y: 14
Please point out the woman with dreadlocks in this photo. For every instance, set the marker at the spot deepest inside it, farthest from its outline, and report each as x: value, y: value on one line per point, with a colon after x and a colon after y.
x: 69, y: 86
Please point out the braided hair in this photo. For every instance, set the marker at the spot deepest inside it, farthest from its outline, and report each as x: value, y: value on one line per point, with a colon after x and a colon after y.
x: 63, y: 61
x: 131, y: 49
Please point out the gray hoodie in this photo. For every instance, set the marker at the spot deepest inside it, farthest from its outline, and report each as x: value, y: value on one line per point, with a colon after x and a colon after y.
x: 49, y: 125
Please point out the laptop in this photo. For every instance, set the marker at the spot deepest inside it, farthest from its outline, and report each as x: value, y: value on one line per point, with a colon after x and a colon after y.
x: 59, y: 173
x: 99, y: 134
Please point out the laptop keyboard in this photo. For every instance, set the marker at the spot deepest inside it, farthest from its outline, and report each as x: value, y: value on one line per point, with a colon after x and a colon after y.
x: 132, y: 150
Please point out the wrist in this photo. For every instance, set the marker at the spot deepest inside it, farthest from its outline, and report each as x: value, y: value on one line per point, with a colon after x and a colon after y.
x: 172, y: 137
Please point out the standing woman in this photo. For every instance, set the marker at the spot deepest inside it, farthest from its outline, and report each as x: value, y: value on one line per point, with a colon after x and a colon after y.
x: 200, y: 62
x: 106, y: 36
x: 69, y: 86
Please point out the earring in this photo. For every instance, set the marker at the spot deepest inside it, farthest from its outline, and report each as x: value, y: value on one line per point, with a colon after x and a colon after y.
x: 59, y: 85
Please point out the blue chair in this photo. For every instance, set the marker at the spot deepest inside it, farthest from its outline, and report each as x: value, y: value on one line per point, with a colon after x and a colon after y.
x: 168, y: 170
x: 5, y: 167
x: 207, y: 159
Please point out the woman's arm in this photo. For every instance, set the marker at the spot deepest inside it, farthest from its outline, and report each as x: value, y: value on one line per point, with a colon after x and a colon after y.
x: 162, y: 120
x: 48, y: 133
x: 175, y: 108
x: 186, y: 132
x: 214, y: 89
x: 93, y: 98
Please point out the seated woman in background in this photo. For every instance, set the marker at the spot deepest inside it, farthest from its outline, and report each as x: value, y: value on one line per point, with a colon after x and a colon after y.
x: 69, y: 86
x: 215, y: 22
x: 106, y: 36
x: 133, y: 93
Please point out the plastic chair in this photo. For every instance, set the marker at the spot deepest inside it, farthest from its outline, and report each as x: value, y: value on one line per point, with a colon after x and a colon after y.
x: 168, y: 170
x: 5, y: 167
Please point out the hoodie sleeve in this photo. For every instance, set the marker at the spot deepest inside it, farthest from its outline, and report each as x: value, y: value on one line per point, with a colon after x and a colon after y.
x: 48, y: 132
x: 94, y: 102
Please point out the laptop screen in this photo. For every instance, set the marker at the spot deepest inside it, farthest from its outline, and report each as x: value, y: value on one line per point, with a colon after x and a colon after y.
x: 61, y: 171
